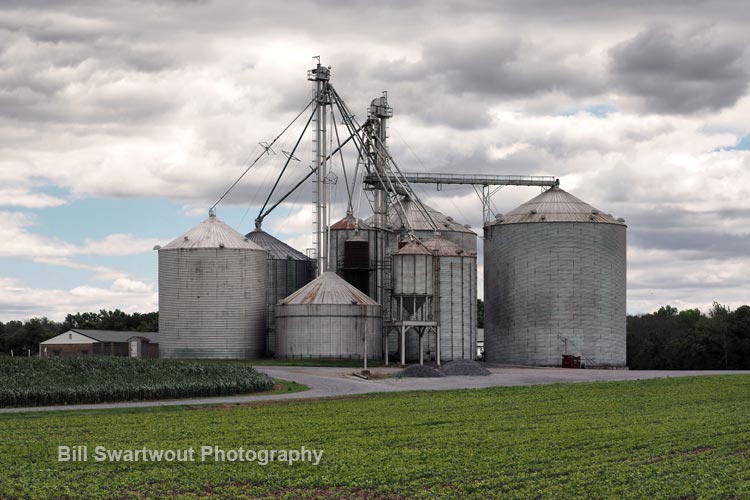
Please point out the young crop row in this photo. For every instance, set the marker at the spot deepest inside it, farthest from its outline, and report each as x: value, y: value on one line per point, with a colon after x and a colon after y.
x: 98, y: 379
x: 656, y: 439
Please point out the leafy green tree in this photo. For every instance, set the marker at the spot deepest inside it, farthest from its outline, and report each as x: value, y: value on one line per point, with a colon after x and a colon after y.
x: 739, y: 339
x: 690, y: 340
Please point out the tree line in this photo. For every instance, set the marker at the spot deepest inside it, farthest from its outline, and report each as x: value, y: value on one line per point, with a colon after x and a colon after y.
x: 667, y: 339
x: 670, y: 339
x: 22, y: 336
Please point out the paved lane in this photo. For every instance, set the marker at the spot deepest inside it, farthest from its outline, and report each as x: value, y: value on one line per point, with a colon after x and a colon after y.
x: 332, y: 382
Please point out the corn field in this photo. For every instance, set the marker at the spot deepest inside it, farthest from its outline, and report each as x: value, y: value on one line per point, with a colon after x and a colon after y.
x: 99, y: 379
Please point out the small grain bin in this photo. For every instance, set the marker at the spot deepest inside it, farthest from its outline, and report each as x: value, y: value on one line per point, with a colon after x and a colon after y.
x: 288, y: 271
x: 413, y: 282
x: 554, y: 274
x: 212, y: 294
x: 328, y: 318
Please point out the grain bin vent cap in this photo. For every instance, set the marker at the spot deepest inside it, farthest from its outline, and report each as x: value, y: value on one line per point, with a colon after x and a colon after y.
x: 211, y: 233
x: 331, y: 289
x: 556, y: 205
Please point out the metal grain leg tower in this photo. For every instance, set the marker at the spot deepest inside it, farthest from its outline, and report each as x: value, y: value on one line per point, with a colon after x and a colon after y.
x: 320, y: 75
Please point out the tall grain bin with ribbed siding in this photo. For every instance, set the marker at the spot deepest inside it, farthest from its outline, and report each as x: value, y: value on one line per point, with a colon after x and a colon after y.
x: 212, y: 294
x: 455, y: 301
x: 288, y: 271
x: 554, y: 274
x: 329, y: 318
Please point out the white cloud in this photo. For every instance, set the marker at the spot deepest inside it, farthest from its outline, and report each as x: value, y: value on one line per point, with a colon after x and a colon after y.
x: 118, y: 244
x: 128, y: 285
x: 18, y: 301
x: 18, y: 241
x: 21, y: 197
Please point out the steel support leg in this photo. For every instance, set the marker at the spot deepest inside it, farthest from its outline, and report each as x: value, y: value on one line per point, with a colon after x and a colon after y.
x: 403, y: 345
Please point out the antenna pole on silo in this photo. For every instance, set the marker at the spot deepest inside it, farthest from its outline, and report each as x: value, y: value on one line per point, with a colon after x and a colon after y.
x: 320, y: 75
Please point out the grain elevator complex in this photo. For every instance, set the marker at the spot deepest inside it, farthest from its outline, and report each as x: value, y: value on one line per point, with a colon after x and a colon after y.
x: 396, y: 280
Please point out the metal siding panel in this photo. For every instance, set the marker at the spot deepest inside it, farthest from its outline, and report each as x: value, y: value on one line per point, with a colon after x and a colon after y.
x: 548, y: 282
x: 212, y: 302
x: 328, y: 331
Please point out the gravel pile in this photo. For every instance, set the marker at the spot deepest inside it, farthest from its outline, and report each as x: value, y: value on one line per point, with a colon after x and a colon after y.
x: 463, y: 368
x: 418, y: 371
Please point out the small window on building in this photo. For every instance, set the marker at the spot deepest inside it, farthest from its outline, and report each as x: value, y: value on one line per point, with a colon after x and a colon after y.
x: 84, y: 352
x: 56, y: 354
x: 70, y: 336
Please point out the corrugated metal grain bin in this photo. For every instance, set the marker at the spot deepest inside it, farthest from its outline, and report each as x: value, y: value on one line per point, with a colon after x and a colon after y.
x: 288, y: 271
x: 328, y: 318
x: 212, y: 294
x: 555, y: 284
x: 455, y: 302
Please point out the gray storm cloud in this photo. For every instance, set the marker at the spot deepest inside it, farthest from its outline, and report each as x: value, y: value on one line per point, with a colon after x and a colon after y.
x: 682, y: 73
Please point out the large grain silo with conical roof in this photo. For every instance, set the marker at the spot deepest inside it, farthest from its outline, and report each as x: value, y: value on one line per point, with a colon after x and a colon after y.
x: 554, y: 274
x: 212, y: 294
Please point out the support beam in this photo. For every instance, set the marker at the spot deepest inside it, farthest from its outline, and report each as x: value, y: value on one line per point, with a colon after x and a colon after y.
x: 385, y: 345
x: 485, y: 185
x: 403, y: 345
x: 421, y: 357
x: 438, y: 345
x: 470, y: 179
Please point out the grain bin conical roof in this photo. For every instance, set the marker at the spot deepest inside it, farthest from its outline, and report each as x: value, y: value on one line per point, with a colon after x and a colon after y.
x: 329, y: 288
x: 556, y: 205
x: 413, y: 248
x: 276, y: 248
x: 418, y: 221
x: 350, y: 222
x: 211, y: 233
x: 446, y: 248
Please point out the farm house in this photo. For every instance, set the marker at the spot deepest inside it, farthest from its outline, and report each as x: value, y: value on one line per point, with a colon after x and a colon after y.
x: 81, y: 342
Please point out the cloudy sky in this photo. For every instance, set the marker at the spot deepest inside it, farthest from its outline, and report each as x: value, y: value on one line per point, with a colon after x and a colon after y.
x: 121, y: 122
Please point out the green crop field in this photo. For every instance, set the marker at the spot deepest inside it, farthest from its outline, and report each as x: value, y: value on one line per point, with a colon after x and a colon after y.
x: 659, y: 439
x: 96, y: 379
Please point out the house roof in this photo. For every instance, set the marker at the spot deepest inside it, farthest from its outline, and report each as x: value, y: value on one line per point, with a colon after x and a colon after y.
x: 109, y: 335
